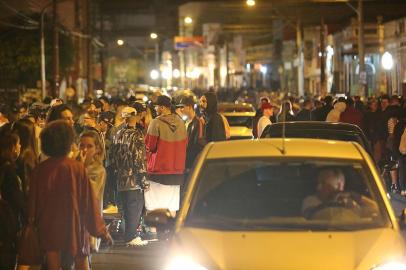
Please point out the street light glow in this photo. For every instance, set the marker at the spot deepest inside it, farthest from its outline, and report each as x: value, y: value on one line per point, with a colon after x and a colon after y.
x: 250, y: 3
x: 176, y: 73
x: 387, y: 61
x: 153, y: 35
x: 154, y: 74
x: 120, y: 42
x: 263, y: 69
x: 188, y: 20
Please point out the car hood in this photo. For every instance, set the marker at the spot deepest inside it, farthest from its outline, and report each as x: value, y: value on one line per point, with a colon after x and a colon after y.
x: 358, y: 250
x: 237, y: 131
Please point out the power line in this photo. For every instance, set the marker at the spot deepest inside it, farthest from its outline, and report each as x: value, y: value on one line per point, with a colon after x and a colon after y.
x: 18, y: 26
x: 29, y: 20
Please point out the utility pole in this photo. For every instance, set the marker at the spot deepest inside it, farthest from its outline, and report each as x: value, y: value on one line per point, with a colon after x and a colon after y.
x: 89, y: 50
x: 227, y: 67
x: 300, y: 66
x: 102, y: 52
x: 55, y: 58
x: 361, y: 50
x: 323, y: 82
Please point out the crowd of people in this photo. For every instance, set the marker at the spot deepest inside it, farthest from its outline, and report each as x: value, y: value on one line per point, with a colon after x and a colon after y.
x: 62, y: 163
x: 382, y: 119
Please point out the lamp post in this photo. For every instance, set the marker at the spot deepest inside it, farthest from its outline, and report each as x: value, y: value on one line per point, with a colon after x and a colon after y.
x: 387, y: 64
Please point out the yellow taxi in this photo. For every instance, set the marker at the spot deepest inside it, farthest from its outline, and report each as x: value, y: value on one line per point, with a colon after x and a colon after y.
x: 286, y: 204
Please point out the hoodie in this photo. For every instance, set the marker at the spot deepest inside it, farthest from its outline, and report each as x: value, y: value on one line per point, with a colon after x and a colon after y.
x: 215, y: 129
x: 334, y: 114
x: 166, y: 142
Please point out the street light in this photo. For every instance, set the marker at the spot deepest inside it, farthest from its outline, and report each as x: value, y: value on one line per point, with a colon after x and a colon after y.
x: 154, y: 74
x: 188, y: 20
x: 153, y: 36
x: 387, y: 64
x: 387, y: 61
x: 250, y: 3
x: 120, y: 42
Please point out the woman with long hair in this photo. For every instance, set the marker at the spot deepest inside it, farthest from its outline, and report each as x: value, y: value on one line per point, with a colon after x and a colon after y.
x: 92, y: 155
x: 28, y: 158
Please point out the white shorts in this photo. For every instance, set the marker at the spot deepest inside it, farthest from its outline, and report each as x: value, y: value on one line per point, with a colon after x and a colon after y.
x: 162, y: 197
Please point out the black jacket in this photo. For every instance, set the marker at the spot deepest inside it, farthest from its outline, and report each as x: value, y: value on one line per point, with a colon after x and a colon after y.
x: 195, y: 134
x: 304, y: 115
x: 215, y: 130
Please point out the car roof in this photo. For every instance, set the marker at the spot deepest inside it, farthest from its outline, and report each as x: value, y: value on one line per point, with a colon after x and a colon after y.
x: 236, y: 106
x: 312, y: 148
x: 321, y: 130
x: 238, y: 114
x: 319, y: 125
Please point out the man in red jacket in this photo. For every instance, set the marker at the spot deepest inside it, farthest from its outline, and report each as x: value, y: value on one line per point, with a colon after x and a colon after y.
x: 166, y: 142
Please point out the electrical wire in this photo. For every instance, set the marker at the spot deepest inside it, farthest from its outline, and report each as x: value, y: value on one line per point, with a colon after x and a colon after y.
x: 18, y: 26
x: 29, y: 20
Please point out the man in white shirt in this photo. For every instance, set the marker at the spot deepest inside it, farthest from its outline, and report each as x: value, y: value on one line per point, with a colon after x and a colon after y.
x: 265, y: 119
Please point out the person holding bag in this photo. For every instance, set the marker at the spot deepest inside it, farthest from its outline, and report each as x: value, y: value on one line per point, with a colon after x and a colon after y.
x: 67, y: 210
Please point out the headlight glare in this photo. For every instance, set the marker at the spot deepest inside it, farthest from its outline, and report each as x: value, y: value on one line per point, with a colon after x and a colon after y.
x: 184, y: 263
x: 390, y: 266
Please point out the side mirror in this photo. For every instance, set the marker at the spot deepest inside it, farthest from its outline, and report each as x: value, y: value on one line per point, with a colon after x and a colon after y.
x: 402, y: 220
x: 160, y: 218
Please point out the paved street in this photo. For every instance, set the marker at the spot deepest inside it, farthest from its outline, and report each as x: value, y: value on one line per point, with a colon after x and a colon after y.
x: 124, y: 258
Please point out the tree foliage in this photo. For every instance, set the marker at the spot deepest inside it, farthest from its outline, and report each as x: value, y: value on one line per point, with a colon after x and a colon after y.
x: 20, y: 56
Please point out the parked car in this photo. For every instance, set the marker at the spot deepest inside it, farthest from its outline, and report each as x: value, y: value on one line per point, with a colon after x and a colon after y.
x: 246, y: 204
x: 226, y: 107
x: 240, y: 124
x: 319, y: 130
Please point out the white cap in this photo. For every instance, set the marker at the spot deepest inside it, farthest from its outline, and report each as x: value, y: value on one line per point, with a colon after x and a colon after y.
x: 128, y: 112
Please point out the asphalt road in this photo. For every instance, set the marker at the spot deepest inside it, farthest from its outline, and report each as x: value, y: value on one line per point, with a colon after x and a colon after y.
x: 120, y: 257
x: 150, y: 257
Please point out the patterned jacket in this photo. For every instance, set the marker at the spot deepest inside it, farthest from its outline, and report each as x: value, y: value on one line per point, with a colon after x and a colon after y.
x: 127, y: 156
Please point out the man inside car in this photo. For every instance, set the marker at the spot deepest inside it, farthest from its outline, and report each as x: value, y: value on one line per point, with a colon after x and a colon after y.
x: 331, y: 194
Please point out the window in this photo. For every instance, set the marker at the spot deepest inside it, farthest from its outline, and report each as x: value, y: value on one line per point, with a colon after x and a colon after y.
x: 285, y: 194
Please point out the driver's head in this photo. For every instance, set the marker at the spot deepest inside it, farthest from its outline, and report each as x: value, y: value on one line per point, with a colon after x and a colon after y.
x: 330, y: 181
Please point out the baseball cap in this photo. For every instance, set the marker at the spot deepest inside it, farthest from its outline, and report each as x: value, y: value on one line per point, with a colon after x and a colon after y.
x: 107, y: 117
x: 164, y: 101
x: 139, y: 107
x: 266, y: 106
x: 128, y: 112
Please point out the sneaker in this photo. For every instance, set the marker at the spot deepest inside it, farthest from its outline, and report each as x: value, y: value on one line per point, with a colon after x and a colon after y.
x: 137, y: 242
x: 110, y: 209
x: 394, y: 188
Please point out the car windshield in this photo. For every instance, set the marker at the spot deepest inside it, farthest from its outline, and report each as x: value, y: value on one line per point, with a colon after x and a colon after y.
x: 239, y: 121
x: 288, y: 194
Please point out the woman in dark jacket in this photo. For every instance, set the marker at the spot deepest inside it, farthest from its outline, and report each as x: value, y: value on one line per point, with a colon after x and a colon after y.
x: 215, y: 129
x: 12, y: 203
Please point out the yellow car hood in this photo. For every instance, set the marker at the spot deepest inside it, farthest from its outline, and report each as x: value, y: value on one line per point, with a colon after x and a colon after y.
x: 359, y: 250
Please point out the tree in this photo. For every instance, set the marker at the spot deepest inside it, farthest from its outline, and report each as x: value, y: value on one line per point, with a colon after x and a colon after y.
x: 20, y: 57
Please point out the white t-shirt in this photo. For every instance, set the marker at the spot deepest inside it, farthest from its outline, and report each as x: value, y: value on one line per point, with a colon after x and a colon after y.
x: 262, y: 123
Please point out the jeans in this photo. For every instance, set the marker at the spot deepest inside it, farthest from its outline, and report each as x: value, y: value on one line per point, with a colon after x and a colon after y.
x: 110, y: 191
x: 133, y: 204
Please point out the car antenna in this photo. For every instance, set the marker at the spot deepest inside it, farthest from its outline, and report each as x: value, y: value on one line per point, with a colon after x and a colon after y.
x: 283, y: 150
